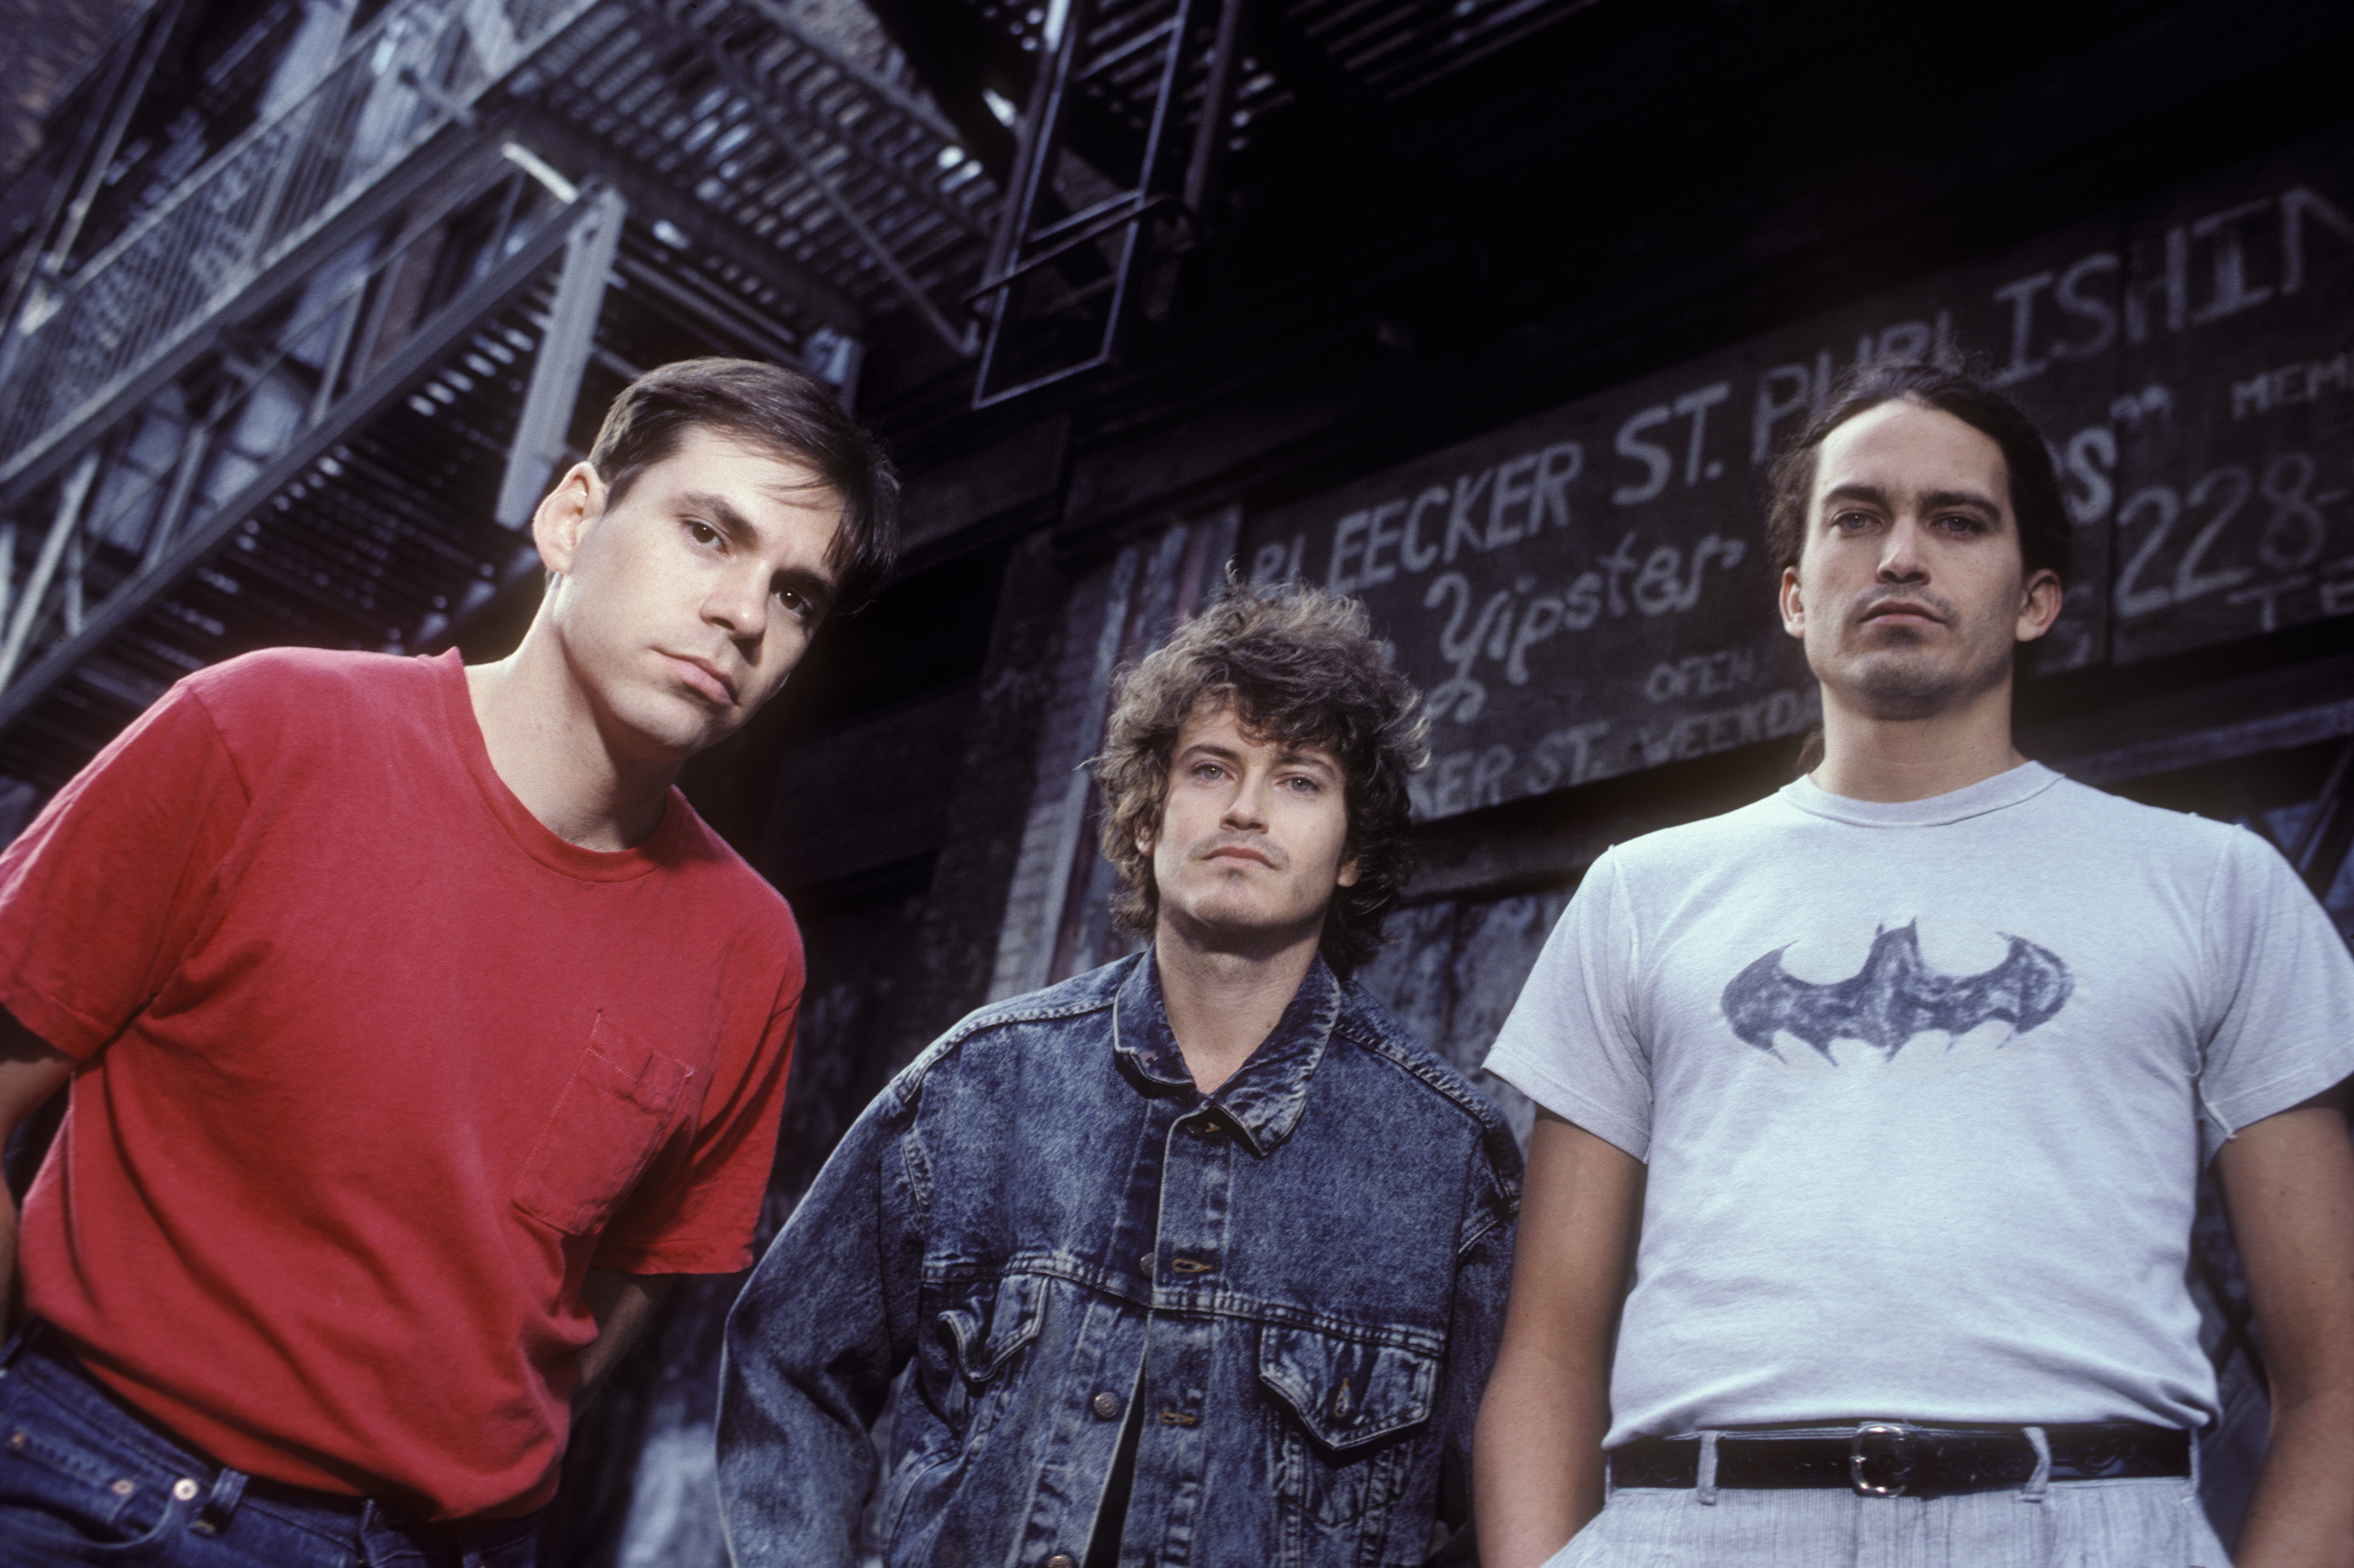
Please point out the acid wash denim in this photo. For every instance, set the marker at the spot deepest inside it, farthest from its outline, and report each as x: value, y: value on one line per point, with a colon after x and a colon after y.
x: 1302, y: 1277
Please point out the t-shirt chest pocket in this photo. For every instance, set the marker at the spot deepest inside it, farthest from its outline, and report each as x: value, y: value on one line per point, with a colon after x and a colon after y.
x: 607, y: 1125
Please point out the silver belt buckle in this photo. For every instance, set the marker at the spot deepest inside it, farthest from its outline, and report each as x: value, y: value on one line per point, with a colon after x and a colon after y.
x: 1901, y: 1455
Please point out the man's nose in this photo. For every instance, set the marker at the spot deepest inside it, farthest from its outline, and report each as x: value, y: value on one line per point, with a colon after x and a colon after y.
x: 739, y: 605
x: 1901, y: 557
x: 1247, y: 807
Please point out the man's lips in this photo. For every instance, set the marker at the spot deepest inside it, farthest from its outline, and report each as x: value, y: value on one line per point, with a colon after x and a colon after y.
x: 1904, y: 609
x: 705, y: 676
x: 1239, y: 852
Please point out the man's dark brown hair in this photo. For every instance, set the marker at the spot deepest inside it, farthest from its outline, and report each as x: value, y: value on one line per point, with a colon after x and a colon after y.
x: 2035, y: 501
x: 1300, y: 667
x: 774, y: 408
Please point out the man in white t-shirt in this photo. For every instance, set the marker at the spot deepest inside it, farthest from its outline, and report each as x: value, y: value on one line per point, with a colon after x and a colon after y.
x: 1859, y: 1206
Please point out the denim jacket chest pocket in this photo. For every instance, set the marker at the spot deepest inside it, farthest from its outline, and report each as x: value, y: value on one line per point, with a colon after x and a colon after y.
x: 612, y: 1117
x: 976, y: 1329
x: 1345, y: 1414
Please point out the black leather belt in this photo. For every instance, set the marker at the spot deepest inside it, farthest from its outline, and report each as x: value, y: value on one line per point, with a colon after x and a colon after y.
x: 1885, y: 1458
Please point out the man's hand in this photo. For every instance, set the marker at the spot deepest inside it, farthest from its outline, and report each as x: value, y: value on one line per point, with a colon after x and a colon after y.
x: 31, y: 1070
x: 2288, y: 1183
x: 1537, y: 1457
x: 622, y: 1304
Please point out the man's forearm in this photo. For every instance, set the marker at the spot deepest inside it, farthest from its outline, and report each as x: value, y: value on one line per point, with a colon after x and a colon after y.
x: 1537, y: 1460
x: 622, y: 1305
x: 2301, y: 1514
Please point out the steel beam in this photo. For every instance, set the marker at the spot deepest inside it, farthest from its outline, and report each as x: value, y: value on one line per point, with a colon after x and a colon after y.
x: 387, y: 386
x: 564, y: 348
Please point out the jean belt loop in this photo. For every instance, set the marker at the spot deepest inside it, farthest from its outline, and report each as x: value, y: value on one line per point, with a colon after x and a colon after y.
x: 362, y: 1538
x: 2039, y: 1485
x: 229, y: 1490
x: 1706, y: 1490
x: 2196, y: 1434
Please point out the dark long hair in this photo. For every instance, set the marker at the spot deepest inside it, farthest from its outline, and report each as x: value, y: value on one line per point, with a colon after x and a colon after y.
x: 2044, y: 543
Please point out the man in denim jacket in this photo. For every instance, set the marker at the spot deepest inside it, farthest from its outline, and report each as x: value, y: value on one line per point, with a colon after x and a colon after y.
x: 1201, y: 1257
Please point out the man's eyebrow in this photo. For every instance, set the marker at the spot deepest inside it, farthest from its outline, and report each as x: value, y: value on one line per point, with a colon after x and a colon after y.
x: 722, y: 511
x: 1295, y: 756
x: 1937, y: 500
x: 818, y: 588
x: 1869, y: 494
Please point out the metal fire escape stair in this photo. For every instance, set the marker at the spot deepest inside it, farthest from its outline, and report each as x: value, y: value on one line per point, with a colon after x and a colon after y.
x: 309, y: 395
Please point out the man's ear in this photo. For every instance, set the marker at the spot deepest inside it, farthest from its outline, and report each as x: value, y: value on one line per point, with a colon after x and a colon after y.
x: 2038, y: 605
x: 1793, y: 608
x: 1348, y: 877
x: 564, y: 515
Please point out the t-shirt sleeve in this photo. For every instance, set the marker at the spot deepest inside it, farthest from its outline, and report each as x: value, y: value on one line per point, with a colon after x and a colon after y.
x: 694, y: 1210
x: 112, y: 883
x: 2281, y: 990
x: 1570, y: 1043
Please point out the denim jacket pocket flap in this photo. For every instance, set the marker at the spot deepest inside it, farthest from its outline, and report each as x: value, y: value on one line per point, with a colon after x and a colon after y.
x: 985, y: 1329
x: 1346, y: 1391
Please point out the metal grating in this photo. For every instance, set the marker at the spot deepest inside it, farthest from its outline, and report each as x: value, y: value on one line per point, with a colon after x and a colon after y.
x: 840, y: 172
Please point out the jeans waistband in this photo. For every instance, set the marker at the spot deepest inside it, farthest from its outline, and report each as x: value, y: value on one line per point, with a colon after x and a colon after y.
x: 39, y: 1353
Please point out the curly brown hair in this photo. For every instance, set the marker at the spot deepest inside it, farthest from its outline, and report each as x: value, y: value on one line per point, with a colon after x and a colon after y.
x: 1299, y: 666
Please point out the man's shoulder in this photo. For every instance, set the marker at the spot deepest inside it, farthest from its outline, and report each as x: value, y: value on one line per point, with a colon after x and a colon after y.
x: 279, y: 691
x: 1366, y: 1024
x: 1705, y: 839
x: 1092, y: 992
x: 699, y: 851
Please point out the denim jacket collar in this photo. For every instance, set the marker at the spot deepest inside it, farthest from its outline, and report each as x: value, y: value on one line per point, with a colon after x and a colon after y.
x: 1263, y: 1099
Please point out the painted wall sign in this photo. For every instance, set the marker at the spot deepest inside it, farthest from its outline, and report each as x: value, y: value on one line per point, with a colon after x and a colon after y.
x: 1586, y: 593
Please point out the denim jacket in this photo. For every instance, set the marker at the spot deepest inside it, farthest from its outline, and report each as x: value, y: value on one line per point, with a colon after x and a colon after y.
x: 1302, y: 1274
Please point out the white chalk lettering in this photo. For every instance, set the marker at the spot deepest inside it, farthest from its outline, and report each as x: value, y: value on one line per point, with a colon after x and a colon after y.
x: 1417, y: 555
x: 1459, y: 529
x: 2173, y: 283
x: 2232, y: 293
x: 2092, y: 453
x: 2072, y: 298
x: 1653, y: 456
x: 1696, y: 407
x: 1556, y: 466
x: 1348, y: 540
x: 1515, y: 487
x: 1772, y: 409
x: 2020, y: 296
x: 1376, y: 571
x: 2297, y: 206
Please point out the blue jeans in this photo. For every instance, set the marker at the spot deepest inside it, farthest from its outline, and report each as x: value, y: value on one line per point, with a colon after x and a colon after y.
x: 83, y: 1482
x: 2081, y: 1524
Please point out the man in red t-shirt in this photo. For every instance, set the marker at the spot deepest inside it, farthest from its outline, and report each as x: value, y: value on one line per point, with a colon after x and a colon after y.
x: 418, y: 1031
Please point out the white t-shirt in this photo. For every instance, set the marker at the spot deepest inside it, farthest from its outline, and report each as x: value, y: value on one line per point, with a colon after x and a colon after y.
x: 1922, y: 1088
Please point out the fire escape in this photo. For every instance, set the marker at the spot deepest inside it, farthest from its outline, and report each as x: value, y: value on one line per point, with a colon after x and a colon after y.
x: 291, y: 349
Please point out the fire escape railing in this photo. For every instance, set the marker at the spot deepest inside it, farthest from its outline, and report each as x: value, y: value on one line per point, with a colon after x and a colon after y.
x: 83, y: 349
x: 101, y: 563
x: 1059, y: 292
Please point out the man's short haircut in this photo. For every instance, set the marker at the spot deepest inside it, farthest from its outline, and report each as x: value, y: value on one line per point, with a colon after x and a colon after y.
x: 1299, y: 666
x: 776, y: 408
x: 2045, y: 541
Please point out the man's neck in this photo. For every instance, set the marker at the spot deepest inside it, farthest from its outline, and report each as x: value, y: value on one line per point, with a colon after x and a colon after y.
x: 1223, y: 1003
x: 546, y: 745
x: 1871, y: 757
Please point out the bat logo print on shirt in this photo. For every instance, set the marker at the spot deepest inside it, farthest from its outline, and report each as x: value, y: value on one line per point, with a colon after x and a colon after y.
x: 1894, y: 998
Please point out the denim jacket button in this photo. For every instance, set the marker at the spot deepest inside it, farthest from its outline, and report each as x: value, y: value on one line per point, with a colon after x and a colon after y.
x: 1144, y: 1265
x: 1062, y: 1559
x: 1105, y: 1405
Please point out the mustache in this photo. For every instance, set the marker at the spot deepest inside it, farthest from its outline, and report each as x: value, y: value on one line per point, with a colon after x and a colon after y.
x: 1203, y: 849
x: 1936, y: 604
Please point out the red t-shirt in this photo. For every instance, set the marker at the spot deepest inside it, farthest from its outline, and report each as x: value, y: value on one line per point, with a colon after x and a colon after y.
x: 375, y: 1067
